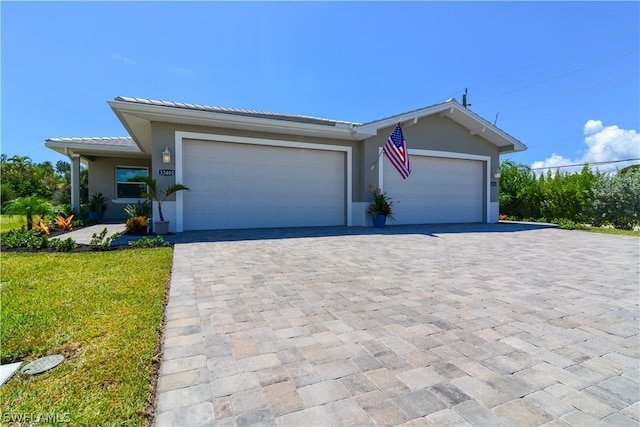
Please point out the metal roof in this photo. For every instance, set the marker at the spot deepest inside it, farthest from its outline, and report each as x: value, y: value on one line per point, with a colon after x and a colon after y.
x: 236, y: 111
x: 122, y: 141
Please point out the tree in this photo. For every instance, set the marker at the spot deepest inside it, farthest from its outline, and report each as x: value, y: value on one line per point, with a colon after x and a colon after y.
x: 616, y: 200
x: 29, y: 206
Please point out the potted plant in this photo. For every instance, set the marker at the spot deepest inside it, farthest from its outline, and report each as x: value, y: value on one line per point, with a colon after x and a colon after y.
x: 380, y: 208
x: 98, y: 203
x: 159, y: 195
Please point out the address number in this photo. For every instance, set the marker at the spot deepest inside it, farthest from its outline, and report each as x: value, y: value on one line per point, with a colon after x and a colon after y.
x: 166, y: 172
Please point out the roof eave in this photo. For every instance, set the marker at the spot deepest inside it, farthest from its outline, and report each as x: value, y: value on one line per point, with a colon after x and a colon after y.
x: 459, y: 114
x: 137, y: 118
x: 92, y: 150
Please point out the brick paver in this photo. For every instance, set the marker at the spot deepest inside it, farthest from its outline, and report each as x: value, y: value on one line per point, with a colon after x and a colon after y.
x: 504, y: 324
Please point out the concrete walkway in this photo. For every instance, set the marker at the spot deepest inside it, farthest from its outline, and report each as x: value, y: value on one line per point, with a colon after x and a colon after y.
x: 483, y: 325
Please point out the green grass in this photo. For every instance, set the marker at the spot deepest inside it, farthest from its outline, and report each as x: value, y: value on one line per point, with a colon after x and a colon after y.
x: 10, y: 222
x: 604, y: 230
x: 103, y: 311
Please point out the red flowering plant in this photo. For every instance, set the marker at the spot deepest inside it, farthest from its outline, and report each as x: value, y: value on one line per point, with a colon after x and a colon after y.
x: 380, y: 204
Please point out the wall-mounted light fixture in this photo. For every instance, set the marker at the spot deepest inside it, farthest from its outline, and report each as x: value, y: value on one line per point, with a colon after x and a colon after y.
x: 496, y: 173
x: 166, y: 156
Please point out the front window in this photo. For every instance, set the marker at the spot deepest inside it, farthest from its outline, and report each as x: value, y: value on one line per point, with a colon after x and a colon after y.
x: 126, y: 185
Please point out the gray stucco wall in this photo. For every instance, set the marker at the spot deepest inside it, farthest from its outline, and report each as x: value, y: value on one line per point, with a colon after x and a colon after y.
x: 430, y: 133
x: 102, y: 178
x: 163, y: 135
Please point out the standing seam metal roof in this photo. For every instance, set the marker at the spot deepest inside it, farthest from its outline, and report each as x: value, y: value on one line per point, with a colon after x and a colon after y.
x: 235, y: 111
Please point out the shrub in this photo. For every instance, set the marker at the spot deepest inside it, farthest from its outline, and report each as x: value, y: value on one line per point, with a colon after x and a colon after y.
x: 101, y: 239
x: 139, y: 209
x: 147, y: 242
x: 63, y: 245
x: 136, y: 224
x: 20, y: 238
x: 568, y: 224
x: 615, y: 200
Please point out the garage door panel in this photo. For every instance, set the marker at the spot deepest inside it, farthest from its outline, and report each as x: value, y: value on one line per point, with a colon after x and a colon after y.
x: 439, y: 190
x: 254, y: 186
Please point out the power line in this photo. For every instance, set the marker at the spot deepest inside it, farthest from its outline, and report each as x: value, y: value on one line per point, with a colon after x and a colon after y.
x: 583, y: 164
x: 556, y: 56
x: 572, y: 90
x: 558, y: 76
x: 565, y: 53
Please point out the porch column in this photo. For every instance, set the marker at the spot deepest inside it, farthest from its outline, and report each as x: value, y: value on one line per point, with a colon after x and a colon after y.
x: 75, y: 182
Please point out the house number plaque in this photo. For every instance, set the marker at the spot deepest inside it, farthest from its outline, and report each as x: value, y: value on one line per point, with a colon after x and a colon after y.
x: 166, y: 172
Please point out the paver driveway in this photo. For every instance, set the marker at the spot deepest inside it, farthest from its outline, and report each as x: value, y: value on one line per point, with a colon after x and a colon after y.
x: 482, y: 325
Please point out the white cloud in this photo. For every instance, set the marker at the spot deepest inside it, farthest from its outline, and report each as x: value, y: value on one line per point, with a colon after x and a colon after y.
x: 604, y: 143
x: 122, y: 58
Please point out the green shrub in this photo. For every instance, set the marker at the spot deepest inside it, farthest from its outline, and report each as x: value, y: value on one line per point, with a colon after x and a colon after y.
x: 139, y: 209
x: 147, y: 242
x: 616, y: 200
x: 63, y: 245
x: 21, y: 237
x: 101, y: 239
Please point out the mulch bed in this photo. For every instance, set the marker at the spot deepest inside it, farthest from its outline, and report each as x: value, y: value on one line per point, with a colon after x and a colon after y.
x: 59, y: 234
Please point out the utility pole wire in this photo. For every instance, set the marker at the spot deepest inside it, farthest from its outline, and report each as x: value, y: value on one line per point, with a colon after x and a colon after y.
x: 567, y: 92
x: 583, y: 164
x: 558, y: 76
x: 560, y: 55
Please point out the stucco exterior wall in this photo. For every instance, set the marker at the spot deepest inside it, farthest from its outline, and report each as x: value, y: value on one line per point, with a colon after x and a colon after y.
x: 163, y: 136
x: 102, y: 178
x: 430, y: 133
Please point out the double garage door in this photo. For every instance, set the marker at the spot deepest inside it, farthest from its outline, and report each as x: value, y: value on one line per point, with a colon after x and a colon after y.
x: 257, y: 186
x: 439, y: 190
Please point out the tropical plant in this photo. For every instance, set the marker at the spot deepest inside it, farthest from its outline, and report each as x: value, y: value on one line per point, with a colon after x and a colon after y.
x: 42, y: 226
x: 380, y: 204
x: 157, y: 193
x: 98, y: 202
x: 63, y: 223
x: 139, y: 209
x: 28, y: 206
x: 136, y: 224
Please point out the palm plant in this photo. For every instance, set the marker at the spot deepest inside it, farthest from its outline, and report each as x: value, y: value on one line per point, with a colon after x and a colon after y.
x: 155, y: 192
x: 29, y: 206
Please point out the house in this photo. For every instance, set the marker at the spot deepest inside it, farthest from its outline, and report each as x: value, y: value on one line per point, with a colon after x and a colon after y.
x: 254, y: 169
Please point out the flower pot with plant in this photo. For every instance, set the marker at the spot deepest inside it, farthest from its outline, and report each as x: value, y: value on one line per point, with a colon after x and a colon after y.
x: 380, y: 208
x: 159, y: 195
x: 98, y: 203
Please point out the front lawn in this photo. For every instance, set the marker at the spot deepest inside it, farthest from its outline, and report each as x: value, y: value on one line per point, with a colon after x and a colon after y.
x: 11, y: 222
x: 102, y: 311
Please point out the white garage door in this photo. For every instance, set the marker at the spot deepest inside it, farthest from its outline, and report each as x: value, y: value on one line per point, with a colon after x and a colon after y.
x: 439, y: 190
x: 256, y: 186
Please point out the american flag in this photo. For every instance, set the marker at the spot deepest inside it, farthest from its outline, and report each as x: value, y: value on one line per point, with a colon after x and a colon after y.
x: 396, y: 151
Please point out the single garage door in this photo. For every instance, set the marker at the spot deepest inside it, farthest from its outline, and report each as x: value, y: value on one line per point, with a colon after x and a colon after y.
x: 257, y: 186
x: 439, y: 190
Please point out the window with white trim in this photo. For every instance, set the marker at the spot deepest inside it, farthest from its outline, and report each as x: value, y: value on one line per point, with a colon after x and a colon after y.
x: 126, y: 185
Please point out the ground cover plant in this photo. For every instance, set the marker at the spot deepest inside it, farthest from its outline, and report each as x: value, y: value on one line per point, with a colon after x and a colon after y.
x: 101, y: 310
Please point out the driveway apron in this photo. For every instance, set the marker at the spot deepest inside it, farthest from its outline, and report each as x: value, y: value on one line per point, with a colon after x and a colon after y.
x: 484, y: 325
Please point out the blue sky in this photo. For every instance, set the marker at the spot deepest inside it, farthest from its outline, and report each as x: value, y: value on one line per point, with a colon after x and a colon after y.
x: 562, y: 77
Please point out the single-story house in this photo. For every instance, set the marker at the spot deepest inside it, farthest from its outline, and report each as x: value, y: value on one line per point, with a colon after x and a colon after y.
x: 254, y: 169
